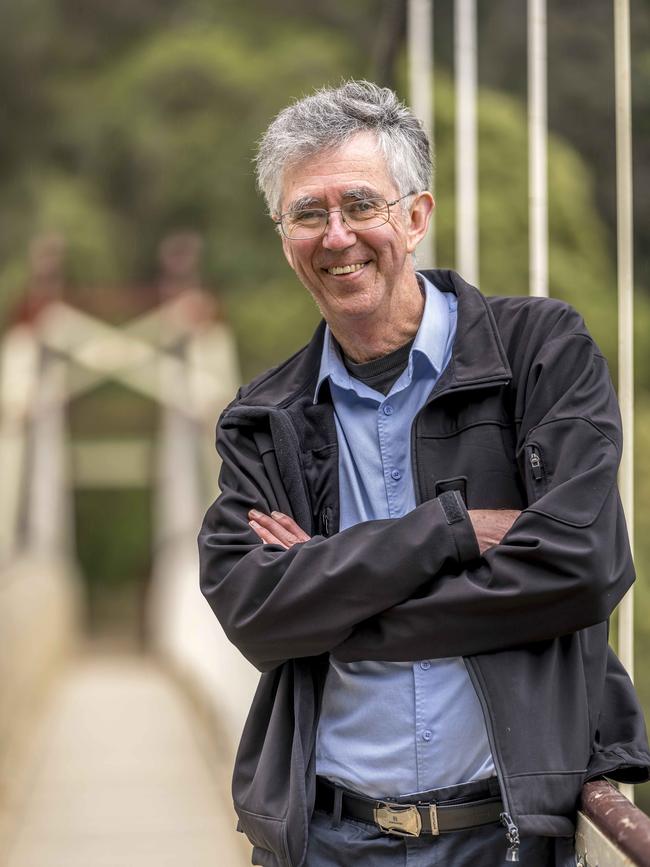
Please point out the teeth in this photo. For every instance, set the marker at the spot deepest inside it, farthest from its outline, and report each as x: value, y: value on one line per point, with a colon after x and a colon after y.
x: 345, y: 269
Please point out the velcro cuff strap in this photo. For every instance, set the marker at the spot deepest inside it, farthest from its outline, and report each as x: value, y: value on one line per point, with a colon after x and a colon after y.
x: 452, y: 506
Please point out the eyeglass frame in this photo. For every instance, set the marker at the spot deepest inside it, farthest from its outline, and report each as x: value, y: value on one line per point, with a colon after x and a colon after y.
x: 279, y: 225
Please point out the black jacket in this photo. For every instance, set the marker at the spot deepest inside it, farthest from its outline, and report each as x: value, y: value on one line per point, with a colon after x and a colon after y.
x: 524, y: 417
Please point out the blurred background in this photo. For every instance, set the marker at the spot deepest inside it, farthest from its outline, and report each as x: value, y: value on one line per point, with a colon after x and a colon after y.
x: 127, y: 134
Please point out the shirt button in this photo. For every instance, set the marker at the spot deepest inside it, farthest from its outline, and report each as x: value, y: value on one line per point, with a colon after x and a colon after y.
x: 395, y: 474
x: 388, y: 409
x: 426, y: 735
x: 425, y: 665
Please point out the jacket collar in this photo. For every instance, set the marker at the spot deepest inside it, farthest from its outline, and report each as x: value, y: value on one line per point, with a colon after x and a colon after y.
x: 478, y: 356
x: 431, y: 343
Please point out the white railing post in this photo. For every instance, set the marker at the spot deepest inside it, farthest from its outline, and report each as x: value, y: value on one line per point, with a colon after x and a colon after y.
x: 467, y: 246
x: 19, y: 353
x: 49, y: 519
x: 420, y: 57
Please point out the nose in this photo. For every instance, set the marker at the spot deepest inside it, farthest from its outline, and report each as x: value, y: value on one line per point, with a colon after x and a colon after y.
x: 338, y: 235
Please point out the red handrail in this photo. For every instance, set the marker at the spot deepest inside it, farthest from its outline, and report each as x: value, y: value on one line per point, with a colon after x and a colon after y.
x: 618, y: 819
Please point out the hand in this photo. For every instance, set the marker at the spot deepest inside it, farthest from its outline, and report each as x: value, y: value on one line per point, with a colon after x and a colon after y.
x: 491, y: 525
x: 277, y: 529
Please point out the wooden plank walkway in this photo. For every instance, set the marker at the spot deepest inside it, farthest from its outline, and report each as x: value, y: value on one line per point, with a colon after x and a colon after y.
x: 119, y: 775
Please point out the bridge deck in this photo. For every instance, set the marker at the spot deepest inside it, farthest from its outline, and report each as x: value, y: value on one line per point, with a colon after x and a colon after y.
x: 119, y: 775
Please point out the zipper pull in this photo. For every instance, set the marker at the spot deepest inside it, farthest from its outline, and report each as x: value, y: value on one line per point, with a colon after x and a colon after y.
x: 512, y: 836
x: 325, y: 521
x: 536, y: 464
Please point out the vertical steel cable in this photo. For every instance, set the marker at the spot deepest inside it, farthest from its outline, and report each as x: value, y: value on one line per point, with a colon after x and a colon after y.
x: 420, y: 57
x: 467, y: 258
x: 537, y: 148
x: 625, y: 304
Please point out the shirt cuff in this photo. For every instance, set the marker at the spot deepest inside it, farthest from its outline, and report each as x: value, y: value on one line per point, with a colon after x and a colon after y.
x: 460, y: 526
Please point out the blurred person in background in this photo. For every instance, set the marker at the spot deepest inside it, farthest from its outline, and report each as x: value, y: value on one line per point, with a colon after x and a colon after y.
x: 419, y: 539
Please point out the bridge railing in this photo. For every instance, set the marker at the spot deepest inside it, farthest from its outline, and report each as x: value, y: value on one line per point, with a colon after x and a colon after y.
x: 183, y: 629
x: 611, y: 832
x: 39, y: 588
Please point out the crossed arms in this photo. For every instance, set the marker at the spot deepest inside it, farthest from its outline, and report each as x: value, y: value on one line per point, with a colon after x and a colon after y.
x: 490, y: 526
x: 420, y: 586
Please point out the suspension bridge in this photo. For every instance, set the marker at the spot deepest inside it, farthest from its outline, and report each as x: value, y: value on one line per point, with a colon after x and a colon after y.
x: 111, y: 756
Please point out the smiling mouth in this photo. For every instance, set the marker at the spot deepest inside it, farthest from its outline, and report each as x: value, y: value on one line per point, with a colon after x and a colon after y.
x: 336, y: 270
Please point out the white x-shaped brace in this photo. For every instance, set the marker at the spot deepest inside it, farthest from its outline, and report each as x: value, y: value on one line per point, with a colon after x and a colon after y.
x: 141, y: 355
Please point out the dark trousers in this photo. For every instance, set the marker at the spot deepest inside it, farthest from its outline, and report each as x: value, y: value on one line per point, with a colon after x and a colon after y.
x: 353, y: 843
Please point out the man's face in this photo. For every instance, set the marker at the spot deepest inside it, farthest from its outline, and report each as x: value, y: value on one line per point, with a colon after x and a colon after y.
x: 383, y: 269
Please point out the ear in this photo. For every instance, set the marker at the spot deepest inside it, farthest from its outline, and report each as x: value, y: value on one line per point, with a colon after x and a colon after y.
x: 419, y: 216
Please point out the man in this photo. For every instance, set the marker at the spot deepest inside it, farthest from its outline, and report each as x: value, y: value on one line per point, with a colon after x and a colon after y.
x: 419, y: 538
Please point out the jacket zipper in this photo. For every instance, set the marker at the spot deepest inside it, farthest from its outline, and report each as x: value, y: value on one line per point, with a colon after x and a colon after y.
x: 535, y: 461
x: 324, y: 521
x: 512, y: 831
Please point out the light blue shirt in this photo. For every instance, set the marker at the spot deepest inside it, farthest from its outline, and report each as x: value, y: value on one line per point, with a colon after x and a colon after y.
x: 393, y: 728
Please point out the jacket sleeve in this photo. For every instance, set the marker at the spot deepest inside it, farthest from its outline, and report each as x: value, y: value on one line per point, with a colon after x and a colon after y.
x: 566, y: 563
x: 275, y: 604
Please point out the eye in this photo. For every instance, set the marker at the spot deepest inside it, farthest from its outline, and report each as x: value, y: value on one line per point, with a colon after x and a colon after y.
x: 308, y: 217
x: 364, y: 208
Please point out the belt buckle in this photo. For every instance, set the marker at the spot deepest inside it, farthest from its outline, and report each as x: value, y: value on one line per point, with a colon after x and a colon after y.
x: 402, y: 820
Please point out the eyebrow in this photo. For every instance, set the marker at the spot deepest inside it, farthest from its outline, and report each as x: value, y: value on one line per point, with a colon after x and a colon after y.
x: 302, y: 203
x: 361, y: 193
x: 356, y: 193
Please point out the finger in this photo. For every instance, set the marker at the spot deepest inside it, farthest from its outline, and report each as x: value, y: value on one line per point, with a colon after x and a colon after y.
x: 268, y: 523
x: 290, y: 525
x: 265, y: 535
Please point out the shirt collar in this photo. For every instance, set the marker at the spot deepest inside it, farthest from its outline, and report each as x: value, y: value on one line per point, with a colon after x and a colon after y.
x: 430, y: 341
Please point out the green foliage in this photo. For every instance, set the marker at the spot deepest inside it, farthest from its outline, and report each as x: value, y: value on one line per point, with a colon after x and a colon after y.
x: 54, y: 202
x: 161, y: 138
x: 581, y: 90
x: 271, y: 324
x: 115, y: 574
x: 169, y: 133
x: 112, y: 409
x: 580, y: 270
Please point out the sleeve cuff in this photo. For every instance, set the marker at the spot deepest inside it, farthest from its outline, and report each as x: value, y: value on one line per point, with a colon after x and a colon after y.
x: 460, y: 526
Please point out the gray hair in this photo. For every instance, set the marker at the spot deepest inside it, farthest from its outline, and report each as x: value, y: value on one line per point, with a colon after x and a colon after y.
x: 328, y: 119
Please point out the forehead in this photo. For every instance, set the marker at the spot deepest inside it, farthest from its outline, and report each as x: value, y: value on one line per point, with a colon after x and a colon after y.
x: 358, y: 164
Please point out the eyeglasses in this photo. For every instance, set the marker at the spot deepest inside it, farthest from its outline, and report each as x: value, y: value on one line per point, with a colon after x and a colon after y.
x: 358, y: 216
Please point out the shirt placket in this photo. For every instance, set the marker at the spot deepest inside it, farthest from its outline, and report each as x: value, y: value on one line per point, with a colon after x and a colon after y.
x: 392, y: 459
x: 422, y: 676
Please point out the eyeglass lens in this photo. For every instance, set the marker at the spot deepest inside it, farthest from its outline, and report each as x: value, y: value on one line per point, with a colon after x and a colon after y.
x: 311, y: 222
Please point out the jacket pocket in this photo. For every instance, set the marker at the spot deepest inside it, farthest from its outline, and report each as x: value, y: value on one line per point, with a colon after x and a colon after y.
x: 265, y: 833
x: 570, y: 470
x: 536, y: 471
x: 263, y: 858
x: 479, y: 461
x: 459, y: 484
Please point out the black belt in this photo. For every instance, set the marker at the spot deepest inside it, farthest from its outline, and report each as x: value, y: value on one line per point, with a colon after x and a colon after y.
x: 408, y: 820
